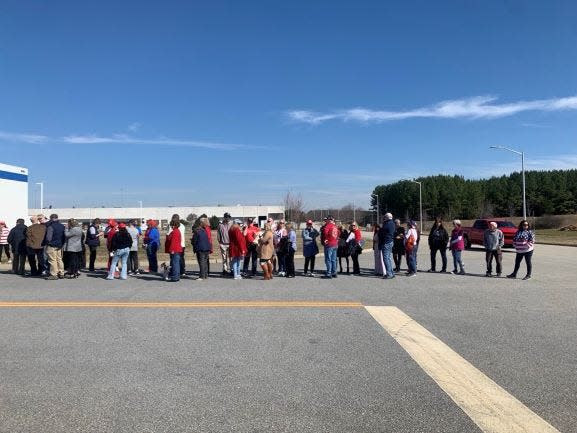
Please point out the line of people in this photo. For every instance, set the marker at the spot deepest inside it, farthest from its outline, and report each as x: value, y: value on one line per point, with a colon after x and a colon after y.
x: 58, y: 251
x: 393, y: 240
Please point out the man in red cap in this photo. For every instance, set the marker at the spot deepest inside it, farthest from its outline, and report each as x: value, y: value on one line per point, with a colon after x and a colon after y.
x: 331, y: 242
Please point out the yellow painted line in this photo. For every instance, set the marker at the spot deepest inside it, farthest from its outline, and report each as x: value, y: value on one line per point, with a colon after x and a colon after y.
x: 489, y: 406
x: 213, y: 304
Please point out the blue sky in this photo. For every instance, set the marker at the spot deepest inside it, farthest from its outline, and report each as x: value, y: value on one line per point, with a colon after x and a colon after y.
x: 225, y: 102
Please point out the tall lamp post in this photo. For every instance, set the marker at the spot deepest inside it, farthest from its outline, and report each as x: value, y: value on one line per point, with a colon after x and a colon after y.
x: 522, y: 173
x: 377, y: 197
x: 41, y: 195
x: 420, y: 202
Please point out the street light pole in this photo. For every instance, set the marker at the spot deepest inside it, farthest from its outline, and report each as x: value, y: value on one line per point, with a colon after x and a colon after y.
x: 420, y: 202
x: 522, y: 174
x: 377, y: 197
x: 41, y: 194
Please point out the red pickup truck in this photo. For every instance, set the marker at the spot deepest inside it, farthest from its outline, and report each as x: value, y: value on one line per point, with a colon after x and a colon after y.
x: 474, y: 235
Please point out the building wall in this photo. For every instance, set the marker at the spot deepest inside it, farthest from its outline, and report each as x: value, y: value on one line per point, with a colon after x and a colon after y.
x: 13, y: 194
x: 162, y: 213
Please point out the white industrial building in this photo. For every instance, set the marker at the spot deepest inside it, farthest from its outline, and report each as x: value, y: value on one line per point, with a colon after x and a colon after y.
x: 13, y: 193
x: 163, y: 214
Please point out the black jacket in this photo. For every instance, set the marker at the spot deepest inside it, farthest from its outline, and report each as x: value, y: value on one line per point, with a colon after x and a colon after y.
x: 121, y: 240
x: 17, y: 239
x: 438, y: 237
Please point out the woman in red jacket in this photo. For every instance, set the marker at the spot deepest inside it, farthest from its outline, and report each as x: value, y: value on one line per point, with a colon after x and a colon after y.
x: 237, y: 248
x: 173, y: 246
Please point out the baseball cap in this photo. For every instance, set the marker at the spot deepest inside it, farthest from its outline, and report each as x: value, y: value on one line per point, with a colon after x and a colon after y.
x: 237, y: 221
x: 121, y: 226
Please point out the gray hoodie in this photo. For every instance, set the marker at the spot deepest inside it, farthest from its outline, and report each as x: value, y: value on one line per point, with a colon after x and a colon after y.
x: 73, y: 239
x: 493, y: 240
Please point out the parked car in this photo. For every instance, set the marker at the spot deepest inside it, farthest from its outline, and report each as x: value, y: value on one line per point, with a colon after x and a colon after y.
x: 474, y: 235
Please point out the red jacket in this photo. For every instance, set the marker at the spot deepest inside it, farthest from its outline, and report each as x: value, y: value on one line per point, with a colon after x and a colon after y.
x: 358, y: 235
x: 331, y: 235
x: 113, y: 230
x: 237, y: 246
x: 173, y: 242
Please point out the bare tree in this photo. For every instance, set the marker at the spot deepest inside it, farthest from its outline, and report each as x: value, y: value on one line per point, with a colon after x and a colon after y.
x: 294, y: 207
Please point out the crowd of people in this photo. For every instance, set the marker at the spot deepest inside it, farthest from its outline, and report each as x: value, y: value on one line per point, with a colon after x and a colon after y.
x: 55, y: 250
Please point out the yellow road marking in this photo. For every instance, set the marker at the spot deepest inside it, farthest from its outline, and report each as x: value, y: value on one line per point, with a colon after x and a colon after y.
x: 176, y: 304
x: 489, y: 406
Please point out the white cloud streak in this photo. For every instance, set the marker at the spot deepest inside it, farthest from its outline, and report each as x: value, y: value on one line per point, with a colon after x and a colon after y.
x: 117, y: 139
x: 478, y: 107
x: 23, y: 138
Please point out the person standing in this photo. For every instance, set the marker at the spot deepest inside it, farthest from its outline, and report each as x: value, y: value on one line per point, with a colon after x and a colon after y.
x: 457, y: 247
x: 250, y: 232
x: 223, y: 242
x: 331, y: 242
x: 386, y: 244
x: 398, y: 245
x: 493, y: 241
x: 343, y: 251
x: 438, y: 239
x: 280, y: 249
x: 201, y: 247
x: 34, y: 237
x: 524, y: 242
x: 133, y: 265
x: 377, y: 255
x: 93, y: 235
x: 237, y: 248
x: 17, y: 241
x: 152, y: 244
x: 310, y: 248
x: 73, y: 248
x: 411, y: 237
x: 120, y: 244
x: 54, y: 242
x: 354, y: 244
x: 292, y: 247
x: 266, y: 251
x: 4, y: 245
x: 109, y: 233
x: 176, y: 219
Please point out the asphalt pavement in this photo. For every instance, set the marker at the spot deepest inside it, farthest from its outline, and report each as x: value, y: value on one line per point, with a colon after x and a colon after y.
x: 227, y: 367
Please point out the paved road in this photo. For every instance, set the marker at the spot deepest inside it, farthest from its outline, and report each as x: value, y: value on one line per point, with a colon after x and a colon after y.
x: 313, y: 368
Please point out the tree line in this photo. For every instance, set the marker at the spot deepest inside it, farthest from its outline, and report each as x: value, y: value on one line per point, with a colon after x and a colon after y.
x: 547, y: 193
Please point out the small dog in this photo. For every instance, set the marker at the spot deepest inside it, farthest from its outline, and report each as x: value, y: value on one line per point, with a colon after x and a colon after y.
x: 165, y: 269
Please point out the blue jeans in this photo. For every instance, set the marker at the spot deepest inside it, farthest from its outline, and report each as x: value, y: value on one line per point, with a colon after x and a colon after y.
x: 175, y: 267
x: 412, y: 260
x: 235, y: 262
x: 387, y: 252
x: 152, y: 259
x: 457, y: 261
x: 123, y: 256
x: 331, y: 260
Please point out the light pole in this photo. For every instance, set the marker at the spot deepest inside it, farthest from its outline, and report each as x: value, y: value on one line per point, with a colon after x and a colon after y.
x: 377, y: 197
x: 41, y: 195
x: 522, y: 174
x: 140, y: 213
x: 420, y: 202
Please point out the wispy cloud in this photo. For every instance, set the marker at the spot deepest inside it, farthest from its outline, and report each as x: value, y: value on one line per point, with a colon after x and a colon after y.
x: 23, y: 138
x: 119, y: 139
x: 478, y: 107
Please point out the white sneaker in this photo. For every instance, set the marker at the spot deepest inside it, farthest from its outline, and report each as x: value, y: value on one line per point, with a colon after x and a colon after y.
x: 238, y: 277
